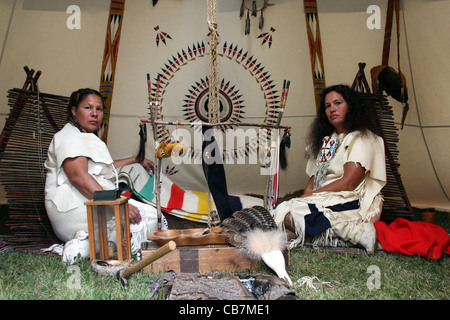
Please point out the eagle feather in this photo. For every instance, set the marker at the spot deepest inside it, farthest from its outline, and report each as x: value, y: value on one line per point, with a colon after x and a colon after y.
x: 254, y: 231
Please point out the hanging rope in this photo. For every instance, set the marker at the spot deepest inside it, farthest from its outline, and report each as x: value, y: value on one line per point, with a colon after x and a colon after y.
x: 213, y: 94
x: 213, y: 112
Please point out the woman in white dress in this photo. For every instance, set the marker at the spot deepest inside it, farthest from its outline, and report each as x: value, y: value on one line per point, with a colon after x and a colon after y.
x: 347, y: 171
x: 79, y: 164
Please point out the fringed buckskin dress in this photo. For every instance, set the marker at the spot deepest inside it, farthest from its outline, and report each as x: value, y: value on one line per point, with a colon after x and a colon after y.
x: 345, y: 215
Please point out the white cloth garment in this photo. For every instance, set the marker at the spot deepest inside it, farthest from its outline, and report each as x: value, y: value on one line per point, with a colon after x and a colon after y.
x: 65, y: 204
x: 351, y: 225
x: 367, y: 149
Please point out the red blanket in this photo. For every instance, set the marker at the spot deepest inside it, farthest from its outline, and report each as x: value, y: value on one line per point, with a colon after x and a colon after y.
x: 412, y: 238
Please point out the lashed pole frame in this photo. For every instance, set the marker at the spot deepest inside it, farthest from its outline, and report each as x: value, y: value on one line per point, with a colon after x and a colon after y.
x: 315, y: 48
x: 110, y: 54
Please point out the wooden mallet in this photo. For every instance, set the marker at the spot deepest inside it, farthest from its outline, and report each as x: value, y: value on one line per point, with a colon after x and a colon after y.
x: 124, y: 274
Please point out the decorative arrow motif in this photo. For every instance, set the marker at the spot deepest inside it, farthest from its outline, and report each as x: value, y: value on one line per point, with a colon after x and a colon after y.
x: 161, y: 36
x: 315, y: 48
x: 230, y: 98
x: 110, y: 55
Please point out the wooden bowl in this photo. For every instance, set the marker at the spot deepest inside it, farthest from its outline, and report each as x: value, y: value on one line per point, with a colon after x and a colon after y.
x: 189, y: 237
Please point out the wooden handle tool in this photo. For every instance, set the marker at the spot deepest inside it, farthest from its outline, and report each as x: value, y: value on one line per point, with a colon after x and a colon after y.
x: 124, y: 274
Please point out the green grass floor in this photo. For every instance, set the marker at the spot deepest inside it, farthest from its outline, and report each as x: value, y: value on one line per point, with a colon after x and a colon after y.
x: 338, y: 276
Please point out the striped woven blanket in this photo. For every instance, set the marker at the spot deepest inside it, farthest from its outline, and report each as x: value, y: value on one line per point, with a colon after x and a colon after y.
x: 186, y: 204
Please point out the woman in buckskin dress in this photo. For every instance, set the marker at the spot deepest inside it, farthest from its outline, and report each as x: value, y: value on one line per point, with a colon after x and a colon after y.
x: 79, y: 163
x: 347, y: 171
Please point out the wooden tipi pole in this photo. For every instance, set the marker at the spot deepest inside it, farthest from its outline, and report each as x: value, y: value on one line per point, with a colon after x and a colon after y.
x: 315, y: 48
x: 110, y: 54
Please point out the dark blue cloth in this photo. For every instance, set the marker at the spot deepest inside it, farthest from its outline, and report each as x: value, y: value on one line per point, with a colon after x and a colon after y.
x: 215, y: 174
x: 235, y: 203
x: 316, y: 222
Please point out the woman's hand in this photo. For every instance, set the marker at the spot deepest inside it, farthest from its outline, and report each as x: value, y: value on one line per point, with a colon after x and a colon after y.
x: 134, y: 215
x: 148, y: 165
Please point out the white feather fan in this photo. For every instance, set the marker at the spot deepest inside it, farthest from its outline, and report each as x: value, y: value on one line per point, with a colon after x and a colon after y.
x: 255, y: 233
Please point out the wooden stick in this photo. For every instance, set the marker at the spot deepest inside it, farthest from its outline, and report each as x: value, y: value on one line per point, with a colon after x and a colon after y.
x: 123, y: 275
x: 284, y: 95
